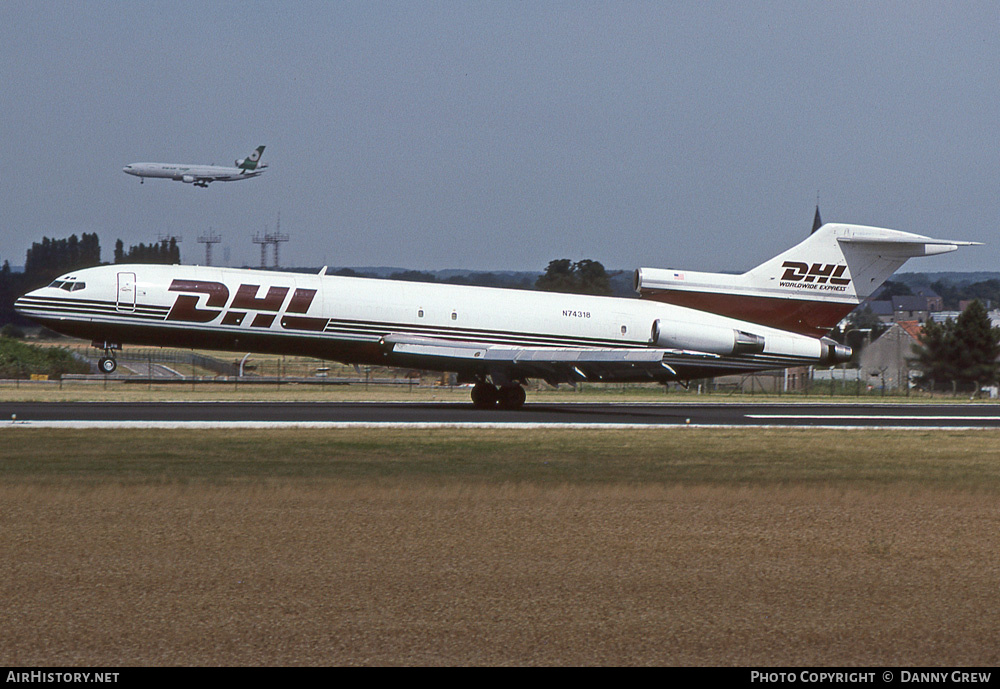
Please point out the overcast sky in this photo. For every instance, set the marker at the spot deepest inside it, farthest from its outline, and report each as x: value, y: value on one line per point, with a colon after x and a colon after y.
x: 502, y: 135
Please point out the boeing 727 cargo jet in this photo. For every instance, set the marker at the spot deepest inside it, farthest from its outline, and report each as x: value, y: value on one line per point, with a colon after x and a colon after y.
x: 201, y: 175
x: 686, y: 325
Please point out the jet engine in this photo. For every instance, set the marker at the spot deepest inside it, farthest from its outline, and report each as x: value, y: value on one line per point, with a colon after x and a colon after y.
x: 187, y: 179
x: 834, y: 352
x: 713, y: 339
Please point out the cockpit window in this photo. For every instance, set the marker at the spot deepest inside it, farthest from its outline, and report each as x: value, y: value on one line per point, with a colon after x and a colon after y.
x: 68, y: 285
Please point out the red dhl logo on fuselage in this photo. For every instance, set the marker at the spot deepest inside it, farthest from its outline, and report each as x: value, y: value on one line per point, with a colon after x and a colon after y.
x: 820, y: 276
x: 268, y: 307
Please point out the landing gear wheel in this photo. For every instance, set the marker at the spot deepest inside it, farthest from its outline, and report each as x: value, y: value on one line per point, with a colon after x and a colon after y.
x: 485, y: 396
x: 512, y: 397
x: 107, y: 365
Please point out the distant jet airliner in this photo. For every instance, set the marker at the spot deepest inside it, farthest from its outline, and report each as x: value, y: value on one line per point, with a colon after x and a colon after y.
x: 200, y: 175
x: 687, y: 325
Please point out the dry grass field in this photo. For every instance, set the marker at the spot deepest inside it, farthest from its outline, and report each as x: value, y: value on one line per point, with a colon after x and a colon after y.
x: 677, y: 547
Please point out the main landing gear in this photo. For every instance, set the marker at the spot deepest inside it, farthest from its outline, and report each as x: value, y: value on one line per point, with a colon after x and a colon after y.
x: 488, y: 396
x: 107, y: 363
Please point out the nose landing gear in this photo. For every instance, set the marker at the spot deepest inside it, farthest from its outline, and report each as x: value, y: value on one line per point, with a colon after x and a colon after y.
x: 107, y: 363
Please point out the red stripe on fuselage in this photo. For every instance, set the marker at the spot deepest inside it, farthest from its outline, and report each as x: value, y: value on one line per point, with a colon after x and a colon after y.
x: 813, y: 318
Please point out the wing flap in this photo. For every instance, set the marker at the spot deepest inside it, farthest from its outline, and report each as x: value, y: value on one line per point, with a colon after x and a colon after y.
x: 549, y: 363
x: 487, y: 352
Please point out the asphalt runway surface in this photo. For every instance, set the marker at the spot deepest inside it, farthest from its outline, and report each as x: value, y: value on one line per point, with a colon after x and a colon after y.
x: 332, y: 414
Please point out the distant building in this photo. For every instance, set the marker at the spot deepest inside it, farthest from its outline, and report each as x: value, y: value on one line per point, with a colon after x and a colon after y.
x: 964, y: 303
x: 911, y: 307
x: 886, y: 360
x: 881, y: 308
x: 934, y: 301
x: 942, y: 316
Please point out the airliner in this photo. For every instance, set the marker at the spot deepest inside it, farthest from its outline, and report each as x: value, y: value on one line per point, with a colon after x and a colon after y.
x: 201, y: 175
x: 685, y: 325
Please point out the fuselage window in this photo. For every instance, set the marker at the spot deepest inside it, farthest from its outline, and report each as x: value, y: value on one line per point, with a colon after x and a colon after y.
x: 420, y: 313
x: 454, y: 316
x: 79, y: 286
x: 68, y: 286
x: 56, y: 283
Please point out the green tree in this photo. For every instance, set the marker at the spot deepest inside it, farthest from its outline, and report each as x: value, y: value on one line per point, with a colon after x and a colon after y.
x: 959, y: 355
x: 413, y: 276
x: 51, y: 258
x: 890, y: 289
x: 985, y: 290
x: 20, y: 360
x: 593, y: 277
x: 558, y: 277
x: 976, y: 349
x: 933, y: 355
x: 582, y: 277
x: 167, y: 252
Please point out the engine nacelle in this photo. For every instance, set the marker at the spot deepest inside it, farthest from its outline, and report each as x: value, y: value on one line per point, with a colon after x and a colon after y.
x: 834, y: 352
x: 712, y: 339
x: 187, y: 179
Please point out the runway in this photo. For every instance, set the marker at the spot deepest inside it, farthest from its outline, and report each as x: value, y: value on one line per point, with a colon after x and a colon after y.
x: 545, y: 415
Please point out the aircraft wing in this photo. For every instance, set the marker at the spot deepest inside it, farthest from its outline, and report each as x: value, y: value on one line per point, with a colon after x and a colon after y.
x: 552, y: 364
x: 197, y: 180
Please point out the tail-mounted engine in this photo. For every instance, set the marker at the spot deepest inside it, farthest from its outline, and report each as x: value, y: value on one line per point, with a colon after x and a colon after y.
x: 834, y: 352
x: 705, y: 338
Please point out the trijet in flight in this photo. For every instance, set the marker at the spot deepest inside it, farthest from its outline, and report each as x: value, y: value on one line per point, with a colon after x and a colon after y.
x: 200, y: 175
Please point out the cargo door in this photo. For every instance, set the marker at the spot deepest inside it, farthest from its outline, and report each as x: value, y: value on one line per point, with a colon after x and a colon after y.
x: 126, y: 292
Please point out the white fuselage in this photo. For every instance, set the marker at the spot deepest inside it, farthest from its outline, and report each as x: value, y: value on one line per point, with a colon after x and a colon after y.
x: 421, y: 325
x: 191, y: 173
x: 689, y: 325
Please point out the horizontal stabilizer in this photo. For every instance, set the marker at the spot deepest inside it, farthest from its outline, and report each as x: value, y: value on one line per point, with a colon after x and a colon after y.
x: 910, y: 246
x: 906, y: 240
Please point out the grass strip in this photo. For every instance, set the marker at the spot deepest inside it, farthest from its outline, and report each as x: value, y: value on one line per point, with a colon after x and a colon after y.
x: 954, y: 460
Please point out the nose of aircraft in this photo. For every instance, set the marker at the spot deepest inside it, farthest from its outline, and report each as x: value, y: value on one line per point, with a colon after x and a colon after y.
x: 25, y: 301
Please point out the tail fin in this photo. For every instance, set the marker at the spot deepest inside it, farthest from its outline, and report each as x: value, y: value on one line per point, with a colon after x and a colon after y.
x: 807, y: 289
x: 251, y: 161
